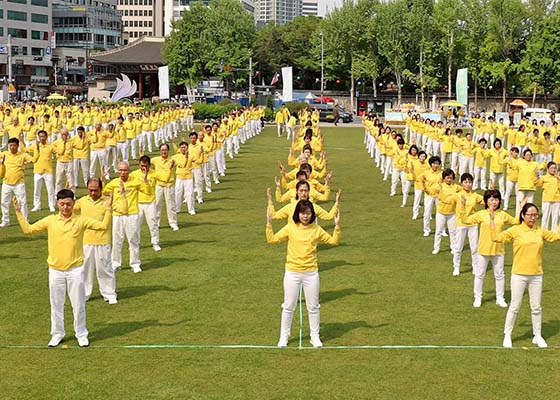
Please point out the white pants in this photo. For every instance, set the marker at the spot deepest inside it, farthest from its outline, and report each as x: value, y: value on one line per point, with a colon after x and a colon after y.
x: 148, y: 211
x: 9, y: 191
x: 61, y: 282
x: 511, y: 187
x: 64, y: 169
x: 550, y: 214
x: 77, y: 164
x: 395, y: 176
x: 220, y: 161
x: 417, y: 201
x: 197, y: 177
x: 213, y: 168
x: 479, y: 176
x: 455, y: 161
x: 466, y: 164
x: 122, y: 149
x: 101, y: 157
x: 462, y: 233
x: 126, y: 225
x: 441, y: 221
x: 112, y: 154
x: 430, y: 202
x: 279, y: 128
x: 499, y: 178
x: 518, y: 285
x: 499, y: 275
x: 167, y: 193
x: 184, y: 193
x: 206, y: 176
x: 132, y: 147
x: 99, y: 256
x: 38, y: 180
x: 292, y: 283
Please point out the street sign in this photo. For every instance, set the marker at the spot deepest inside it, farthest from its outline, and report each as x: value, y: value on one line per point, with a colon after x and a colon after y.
x: 11, y: 88
x: 48, y: 50
x: 3, y: 49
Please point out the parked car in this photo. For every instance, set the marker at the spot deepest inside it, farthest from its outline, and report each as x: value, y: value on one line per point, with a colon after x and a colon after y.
x: 326, y: 113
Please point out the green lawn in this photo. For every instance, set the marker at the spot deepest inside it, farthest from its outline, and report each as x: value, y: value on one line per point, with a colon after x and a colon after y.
x: 217, y: 282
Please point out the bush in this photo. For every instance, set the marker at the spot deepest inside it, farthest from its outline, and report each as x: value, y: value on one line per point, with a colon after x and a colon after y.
x: 205, y: 111
x: 296, y: 107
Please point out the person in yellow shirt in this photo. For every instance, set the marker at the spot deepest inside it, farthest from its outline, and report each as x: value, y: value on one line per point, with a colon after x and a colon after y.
x: 97, y: 244
x: 219, y: 134
x: 125, y: 219
x: 417, y: 168
x: 122, y: 144
x: 42, y: 153
x: 480, y: 156
x: 98, y: 149
x: 280, y: 119
x: 550, y: 183
x: 66, y: 270
x: 130, y: 131
x: 528, y: 175
x: 165, y: 188
x: 64, y: 161
x: 431, y: 181
x: 457, y: 143
x: 512, y: 175
x: 488, y: 250
x: 411, y: 157
x: 464, y: 209
x: 497, y: 165
x: 445, y: 211
x: 301, y: 266
x: 526, y: 270
x: 190, y: 118
x: 184, y: 183
x: 30, y: 130
x: 13, y: 163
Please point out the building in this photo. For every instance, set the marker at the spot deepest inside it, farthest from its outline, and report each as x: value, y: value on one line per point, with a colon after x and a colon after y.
x: 82, y: 28
x: 278, y: 12
x: 25, y: 27
x: 310, y: 7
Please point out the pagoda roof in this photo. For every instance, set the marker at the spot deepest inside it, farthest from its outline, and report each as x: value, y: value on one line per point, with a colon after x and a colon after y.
x: 144, y: 51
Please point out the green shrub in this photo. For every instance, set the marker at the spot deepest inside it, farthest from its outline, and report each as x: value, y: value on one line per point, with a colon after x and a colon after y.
x: 205, y: 111
x: 296, y: 107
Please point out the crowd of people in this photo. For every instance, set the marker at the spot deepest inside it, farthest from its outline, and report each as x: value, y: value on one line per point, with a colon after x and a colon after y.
x: 430, y: 156
x: 303, y: 189
x: 86, y: 236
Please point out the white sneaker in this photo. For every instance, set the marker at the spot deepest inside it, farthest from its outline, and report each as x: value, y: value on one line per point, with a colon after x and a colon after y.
x: 435, y: 251
x: 174, y: 228
x: 402, y: 205
x: 222, y: 174
x: 507, y: 342
x: 200, y: 201
x: 426, y: 234
x: 501, y: 302
x: 83, y: 341
x: 209, y: 190
x: 216, y: 182
x: 444, y: 234
x: 192, y: 212
x: 477, y: 303
x: 283, y: 342
x: 113, y: 301
x: 4, y: 224
x: 540, y: 342
x: 35, y: 209
x: 136, y: 269
x: 55, y: 340
x: 156, y: 247
x: 316, y: 341
x: 456, y: 271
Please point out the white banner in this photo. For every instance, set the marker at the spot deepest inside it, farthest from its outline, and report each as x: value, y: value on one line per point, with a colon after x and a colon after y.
x: 163, y: 76
x: 287, y: 91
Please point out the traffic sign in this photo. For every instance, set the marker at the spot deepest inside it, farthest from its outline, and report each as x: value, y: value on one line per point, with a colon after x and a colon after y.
x: 3, y: 49
x: 48, y: 50
x: 11, y: 88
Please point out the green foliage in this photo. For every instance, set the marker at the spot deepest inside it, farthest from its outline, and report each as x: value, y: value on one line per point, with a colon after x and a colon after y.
x: 213, y: 111
x: 295, y: 107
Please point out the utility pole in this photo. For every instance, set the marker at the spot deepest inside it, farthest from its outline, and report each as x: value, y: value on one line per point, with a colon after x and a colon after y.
x: 250, y: 78
x: 9, y: 59
x: 322, y: 65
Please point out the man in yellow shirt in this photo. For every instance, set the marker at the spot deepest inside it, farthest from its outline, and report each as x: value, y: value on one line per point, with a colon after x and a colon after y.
x: 80, y: 147
x: 125, y: 219
x: 98, y: 153
x: 42, y: 171
x: 64, y: 160
x: 195, y: 148
x: 13, y: 163
x: 97, y: 244
x: 66, y: 270
x: 280, y: 119
x: 165, y: 188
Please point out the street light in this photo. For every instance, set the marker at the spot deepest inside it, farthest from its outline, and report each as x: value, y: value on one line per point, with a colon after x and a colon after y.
x: 322, y: 64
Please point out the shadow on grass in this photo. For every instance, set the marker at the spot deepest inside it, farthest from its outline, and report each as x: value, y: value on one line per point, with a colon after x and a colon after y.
x: 137, y: 291
x: 549, y: 330
x: 325, y: 266
x: 173, y: 243
x: 338, y: 294
x: 338, y: 329
x: 123, y: 328
x: 164, y: 262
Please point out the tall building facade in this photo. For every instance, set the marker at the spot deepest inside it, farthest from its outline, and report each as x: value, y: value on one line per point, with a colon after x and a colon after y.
x: 83, y: 27
x: 142, y: 18
x: 309, y: 7
x: 278, y: 12
x: 28, y: 23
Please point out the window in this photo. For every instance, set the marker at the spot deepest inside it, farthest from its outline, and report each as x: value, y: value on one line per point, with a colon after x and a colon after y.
x: 40, y: 18
x: 18, y: 1
x: 40, y: 3
x: 39, y: 71
x: 36, y: 51
x: 1, y: 14
x: 17, y: 15
x: 1, y: 31
x: 38, y: 35
x: 17, y: 33
x: 24, y: 50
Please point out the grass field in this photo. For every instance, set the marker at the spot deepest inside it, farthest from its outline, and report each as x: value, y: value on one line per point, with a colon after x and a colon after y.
x: 217, y: 282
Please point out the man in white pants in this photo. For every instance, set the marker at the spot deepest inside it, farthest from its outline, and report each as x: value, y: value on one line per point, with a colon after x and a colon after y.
x: 42, y: 171
x: 125, y: 216
x: 64, y: 160
x: 165, y: 187
x: 97, y: 244
x: 97, y: 138
x: 184, y: 184
x: 66, y: 270
x: 12, y: 168
x: 196, y: 148
x: 80, y: 145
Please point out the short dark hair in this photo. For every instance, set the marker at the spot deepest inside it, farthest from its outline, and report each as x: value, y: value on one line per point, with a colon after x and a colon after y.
x: 514, y: 149
x: 524, y: 210
x: 183, y: 143
x: 193, y: 134
x: 302, y: 183
x: 466, y: 177
x: 164, y: 144
x: 65, y: 194
x: 145, y: 159
x: 492, y: 194
x: 497, y: 141
x: 301, y: 206
x: 527, y: 151
x: 434, y: 159
x: 95, y: 179
x: 14, y: 140
x: 448, y: 172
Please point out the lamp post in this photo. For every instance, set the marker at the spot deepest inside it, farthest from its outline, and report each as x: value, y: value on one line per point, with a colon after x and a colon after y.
x: 322, y: 65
